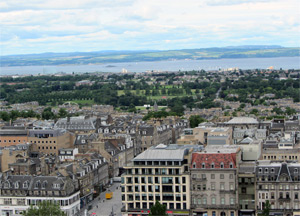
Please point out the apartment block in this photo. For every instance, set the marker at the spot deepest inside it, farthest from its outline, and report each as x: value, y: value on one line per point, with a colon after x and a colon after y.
x: 280, y: 184
x: 51, y: 140
x: 214, y: 182
x: 158, y: 174
x: 18, y: 192
x: 10, y: 137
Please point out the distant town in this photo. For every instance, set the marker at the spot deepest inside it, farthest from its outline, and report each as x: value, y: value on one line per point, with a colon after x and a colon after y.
x: 205, y: 143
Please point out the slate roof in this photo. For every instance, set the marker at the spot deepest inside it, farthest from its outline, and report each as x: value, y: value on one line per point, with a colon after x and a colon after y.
x: 46, y: 183
x: 76, y: 123
x: 13, y: 132
x: 217, y: 159
x: 273, y: 171
x: 21, y: 179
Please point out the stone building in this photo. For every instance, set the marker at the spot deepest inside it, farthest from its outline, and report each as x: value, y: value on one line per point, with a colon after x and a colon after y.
x: 214, y: 182
x: 51, y: 140
x: 12, y: 136
x: 280, y: 184
x: 18, y: 192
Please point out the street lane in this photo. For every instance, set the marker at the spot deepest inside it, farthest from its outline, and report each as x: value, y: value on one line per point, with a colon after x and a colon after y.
x: 103, y: 207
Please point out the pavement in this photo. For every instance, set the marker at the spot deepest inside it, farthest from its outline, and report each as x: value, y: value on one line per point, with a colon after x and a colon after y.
x: 103, y: 207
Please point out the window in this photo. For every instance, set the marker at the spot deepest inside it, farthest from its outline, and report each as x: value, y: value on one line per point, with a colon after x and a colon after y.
x: 231, y: 165
x: 231, y: 176
x: 231, y: 201
x: 204, y: 200
x: 212, y: 176
x: 222, y: 165
x: 221, y: 176
x: 231, y: 186
x: 222, y: 186
x: 213, y: 200
x: 7, y: 201
x: 194, y: 165
x: 199, y: 201
x: 222, y: 200
x: 260, y: 170
x: 266, y: 170
x: 203, y: 165
x: 212, y: 165
x: 296, y: 195
x: 213, y: 186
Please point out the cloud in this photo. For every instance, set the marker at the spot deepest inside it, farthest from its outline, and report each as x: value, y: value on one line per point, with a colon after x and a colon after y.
x: 90, y: 25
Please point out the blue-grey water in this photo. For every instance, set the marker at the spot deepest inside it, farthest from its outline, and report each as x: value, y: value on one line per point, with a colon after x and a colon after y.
x: 183, y: 65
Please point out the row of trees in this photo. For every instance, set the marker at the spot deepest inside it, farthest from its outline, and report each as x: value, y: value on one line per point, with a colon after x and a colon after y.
x: 46, y: 114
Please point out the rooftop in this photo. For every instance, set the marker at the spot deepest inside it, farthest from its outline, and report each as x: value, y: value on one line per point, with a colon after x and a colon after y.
x: 242, y: 120
x: 162, y: 152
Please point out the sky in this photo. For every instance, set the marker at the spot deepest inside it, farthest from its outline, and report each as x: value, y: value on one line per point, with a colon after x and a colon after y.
x: 39, y: 26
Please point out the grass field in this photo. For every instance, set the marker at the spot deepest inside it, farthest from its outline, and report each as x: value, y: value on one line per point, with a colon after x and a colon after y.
x: 143, y: 108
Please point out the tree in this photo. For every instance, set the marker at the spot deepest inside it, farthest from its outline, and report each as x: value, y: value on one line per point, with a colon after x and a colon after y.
x: 266, y: 211
x: 195, y: 120
x: 47, y: 113
x: 44, y: 208
x: 62, y: 113
x: 158, y: 209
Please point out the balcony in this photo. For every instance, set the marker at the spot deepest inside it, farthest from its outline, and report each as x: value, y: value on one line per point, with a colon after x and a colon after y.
x: 286, y: 199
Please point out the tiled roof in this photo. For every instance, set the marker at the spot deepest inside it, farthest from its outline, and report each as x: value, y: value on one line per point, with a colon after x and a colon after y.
x: 214, y: 158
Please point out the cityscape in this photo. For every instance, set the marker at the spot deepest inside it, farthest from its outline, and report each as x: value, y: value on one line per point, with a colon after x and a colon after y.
x: 159, y: 108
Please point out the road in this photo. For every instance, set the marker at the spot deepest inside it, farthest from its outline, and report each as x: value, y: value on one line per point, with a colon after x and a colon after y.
x: 103, y: 207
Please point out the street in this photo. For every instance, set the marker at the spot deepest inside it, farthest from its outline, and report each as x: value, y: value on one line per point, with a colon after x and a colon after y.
x: 105, y: 207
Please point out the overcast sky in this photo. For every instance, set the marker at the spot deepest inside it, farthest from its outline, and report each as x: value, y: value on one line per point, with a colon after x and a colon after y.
x: 37, y: 26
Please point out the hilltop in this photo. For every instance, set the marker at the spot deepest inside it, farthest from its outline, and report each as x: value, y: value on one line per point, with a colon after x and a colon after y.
x: 111, y: 56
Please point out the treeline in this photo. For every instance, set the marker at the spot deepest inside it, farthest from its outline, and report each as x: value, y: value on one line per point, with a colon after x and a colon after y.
x: 247, y: 88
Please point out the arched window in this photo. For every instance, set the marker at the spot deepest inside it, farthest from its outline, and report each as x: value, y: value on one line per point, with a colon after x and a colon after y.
x: 203, y: 165
x: 213, y: 165
x: 194, y: 165
x: 17, y: 184
x: 231, y: 165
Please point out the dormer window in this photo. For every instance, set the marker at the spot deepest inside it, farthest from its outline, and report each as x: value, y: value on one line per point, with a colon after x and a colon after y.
x: 203, y: 165
x: 25, y: 184
x: 212, y: 165
x: 266, y: 170
x: 7, y: 184
x: 231, y: 165
x: 194, y: 165
x: 260, y: 170
x: 17, y: 185
x: 44, y: 184
x: 296, y: 170
x: 222, y: 165
x: 272, y: 170
x: 56, y: 186
x: 37, y: 184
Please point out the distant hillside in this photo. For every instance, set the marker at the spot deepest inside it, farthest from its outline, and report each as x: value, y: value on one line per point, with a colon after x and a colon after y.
x: 111, y: 56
